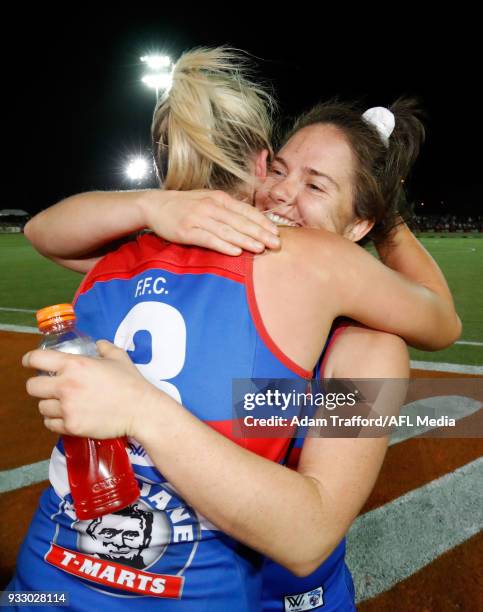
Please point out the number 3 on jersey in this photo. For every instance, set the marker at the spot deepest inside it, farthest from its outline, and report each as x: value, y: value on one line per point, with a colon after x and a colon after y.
x: 154, y: 334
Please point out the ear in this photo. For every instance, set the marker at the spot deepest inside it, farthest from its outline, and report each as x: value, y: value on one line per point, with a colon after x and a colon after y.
x: 356, y: 230
x: 261, y: 164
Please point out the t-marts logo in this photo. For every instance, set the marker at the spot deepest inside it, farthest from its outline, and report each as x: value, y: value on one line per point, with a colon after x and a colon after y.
x: 117, y: 550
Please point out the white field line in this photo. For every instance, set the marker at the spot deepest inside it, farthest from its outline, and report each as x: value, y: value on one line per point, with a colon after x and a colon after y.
x: 22, y: 329
x: 24, y: 476
x: 16, y: 310
x: 415, y: 365
x: 394, y: 541
x: 2, y: 309
x: 446, y: 367
x: 455, y: 406
x: 458, y: 407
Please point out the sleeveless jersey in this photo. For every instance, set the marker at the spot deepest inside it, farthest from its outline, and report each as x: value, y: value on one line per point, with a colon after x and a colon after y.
x: 189, y: 321
x: 330, y: 587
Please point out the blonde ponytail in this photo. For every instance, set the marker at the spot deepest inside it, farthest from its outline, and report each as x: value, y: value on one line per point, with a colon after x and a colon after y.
x: 210, y: 123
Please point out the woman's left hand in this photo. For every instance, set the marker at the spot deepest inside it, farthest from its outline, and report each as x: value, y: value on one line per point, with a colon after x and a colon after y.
x: 88, y: 397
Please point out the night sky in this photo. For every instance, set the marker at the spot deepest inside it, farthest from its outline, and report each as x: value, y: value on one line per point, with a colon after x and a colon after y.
x: 76, y: 108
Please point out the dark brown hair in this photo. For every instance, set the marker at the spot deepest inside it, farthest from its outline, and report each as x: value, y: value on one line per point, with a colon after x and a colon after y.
x: 381, y: 171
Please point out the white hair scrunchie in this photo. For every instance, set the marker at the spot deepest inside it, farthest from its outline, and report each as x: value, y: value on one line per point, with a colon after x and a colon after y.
x: 382, y: 119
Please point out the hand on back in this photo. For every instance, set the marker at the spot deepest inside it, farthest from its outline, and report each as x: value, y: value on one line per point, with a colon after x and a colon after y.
x: 210, y: 219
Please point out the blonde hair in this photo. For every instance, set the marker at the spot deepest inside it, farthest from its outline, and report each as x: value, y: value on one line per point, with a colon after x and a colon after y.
x: 210, y: 123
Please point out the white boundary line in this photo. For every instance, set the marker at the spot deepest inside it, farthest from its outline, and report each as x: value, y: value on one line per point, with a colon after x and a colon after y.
x: 2, y: 309
x: 16, y: 310
x: 23, y: 329
x: 446, y: 367
x: 394, y: 541
x: 415, y: 365
x: 23, y: 476
x: 456, y: 406
x: 31, y: 473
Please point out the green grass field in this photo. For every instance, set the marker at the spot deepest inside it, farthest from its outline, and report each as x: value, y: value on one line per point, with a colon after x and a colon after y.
x: 28, y: 281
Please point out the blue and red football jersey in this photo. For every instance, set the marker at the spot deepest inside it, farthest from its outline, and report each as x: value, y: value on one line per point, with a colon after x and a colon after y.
x: 189, y: 321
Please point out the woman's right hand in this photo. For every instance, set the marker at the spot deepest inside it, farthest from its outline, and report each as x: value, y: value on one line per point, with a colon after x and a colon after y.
x: 210, y: 219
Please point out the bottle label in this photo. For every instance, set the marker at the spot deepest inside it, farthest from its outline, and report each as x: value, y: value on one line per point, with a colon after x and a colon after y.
x: 108, y: 483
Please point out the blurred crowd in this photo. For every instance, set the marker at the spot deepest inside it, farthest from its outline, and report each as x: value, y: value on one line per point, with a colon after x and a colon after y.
x: 11, y: 221
x: 447, y: 223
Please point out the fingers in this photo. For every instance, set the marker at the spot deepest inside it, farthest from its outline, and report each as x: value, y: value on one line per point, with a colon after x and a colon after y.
x: 50, y: 408
x: 228, y: 233
x: 42, y: 386
x: 208, y: 240
x: 45, y: 360
x: 51, y: 411
x: 247, y: 220
x: 230, y: 221
x: 55, y: 425
x: 248, y: 211
x: 247, y: 232
x: 107, y: 350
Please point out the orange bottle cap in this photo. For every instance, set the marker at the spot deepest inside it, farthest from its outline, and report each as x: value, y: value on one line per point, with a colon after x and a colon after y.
x: 64, y: 312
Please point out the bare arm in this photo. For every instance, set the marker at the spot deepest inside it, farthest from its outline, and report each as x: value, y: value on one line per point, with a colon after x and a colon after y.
x: 79, y: 230
x: 76, y: 231
x: 352, y: 282
x: 284, y: 514
x: 345, y: 470
x: 405, y: 254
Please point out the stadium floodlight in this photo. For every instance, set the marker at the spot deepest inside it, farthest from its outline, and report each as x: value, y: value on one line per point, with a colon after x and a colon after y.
x: 155, y: 62
x: 163, y: 80
x: 137, y: 169
x: 161, y: 76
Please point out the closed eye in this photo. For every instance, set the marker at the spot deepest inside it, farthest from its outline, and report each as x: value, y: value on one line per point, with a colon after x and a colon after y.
x: 276, y: 169
x: 316, y: 188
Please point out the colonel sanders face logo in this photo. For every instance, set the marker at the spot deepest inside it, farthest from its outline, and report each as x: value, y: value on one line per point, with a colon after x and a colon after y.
x: 125, y: 537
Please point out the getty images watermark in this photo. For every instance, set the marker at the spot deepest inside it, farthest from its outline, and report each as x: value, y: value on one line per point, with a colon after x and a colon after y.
x: 344, y: 408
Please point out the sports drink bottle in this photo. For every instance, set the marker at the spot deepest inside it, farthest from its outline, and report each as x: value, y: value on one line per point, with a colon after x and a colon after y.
x: 100, y: 474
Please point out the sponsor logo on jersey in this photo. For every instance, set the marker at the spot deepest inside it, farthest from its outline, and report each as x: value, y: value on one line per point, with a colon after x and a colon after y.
x: 114, y: 574
x: 304, y: 601
x: 144, y: 548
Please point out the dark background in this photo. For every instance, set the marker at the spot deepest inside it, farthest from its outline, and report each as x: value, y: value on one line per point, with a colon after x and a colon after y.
x: 76, y: 109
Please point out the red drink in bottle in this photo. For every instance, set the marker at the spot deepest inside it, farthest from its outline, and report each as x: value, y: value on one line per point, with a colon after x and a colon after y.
x: 100, y: 474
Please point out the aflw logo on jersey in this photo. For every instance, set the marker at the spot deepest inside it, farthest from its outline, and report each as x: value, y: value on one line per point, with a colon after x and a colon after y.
x: 304, y: 601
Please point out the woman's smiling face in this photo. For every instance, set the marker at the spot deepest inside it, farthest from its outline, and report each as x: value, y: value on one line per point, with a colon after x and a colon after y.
x: 310, y: 181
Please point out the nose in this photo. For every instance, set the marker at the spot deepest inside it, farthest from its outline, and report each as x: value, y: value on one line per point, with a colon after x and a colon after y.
x: 284, y: 192
x: 117, y: 540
